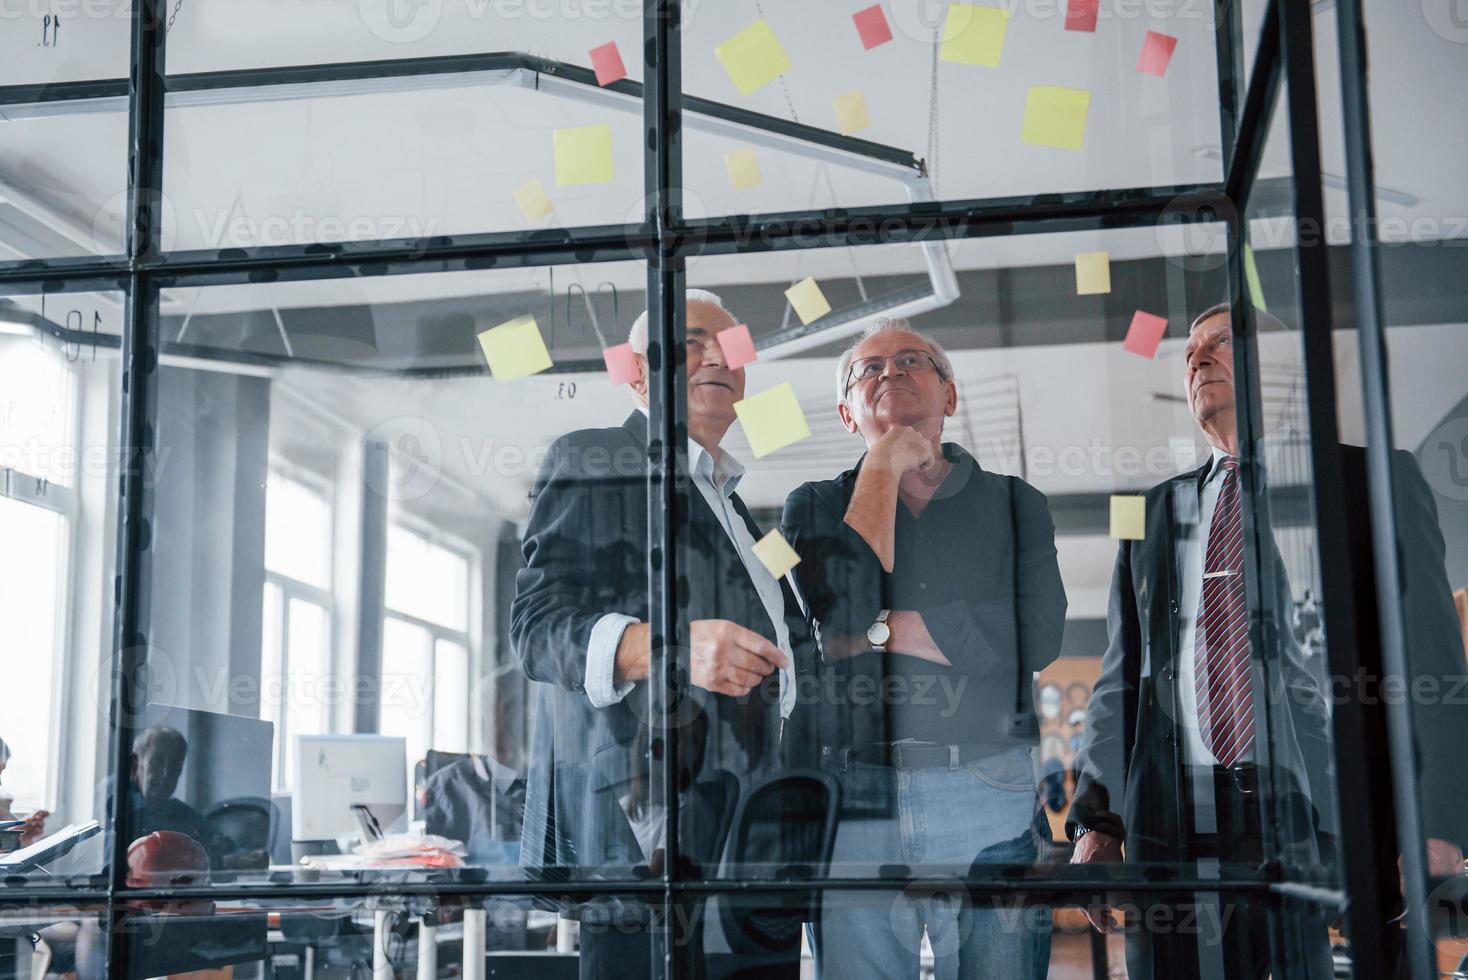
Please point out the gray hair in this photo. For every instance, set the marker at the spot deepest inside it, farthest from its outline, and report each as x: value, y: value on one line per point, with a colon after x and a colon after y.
x: 889, y: 324
x: 162, y: 736
x: 637, y: 337
x: 1264, y: 321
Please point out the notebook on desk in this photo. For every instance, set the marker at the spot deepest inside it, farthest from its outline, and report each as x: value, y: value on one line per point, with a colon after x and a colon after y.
x: 48, y: 848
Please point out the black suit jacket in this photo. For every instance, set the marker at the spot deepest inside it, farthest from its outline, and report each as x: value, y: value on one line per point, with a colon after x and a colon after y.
x: 1130, y: 765
x: 586, y: 554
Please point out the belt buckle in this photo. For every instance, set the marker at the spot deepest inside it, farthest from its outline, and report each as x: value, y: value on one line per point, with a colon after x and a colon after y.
x: 1240, y: 777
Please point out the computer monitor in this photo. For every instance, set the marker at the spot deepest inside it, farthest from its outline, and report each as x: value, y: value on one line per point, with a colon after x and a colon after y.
x: 337, y: 774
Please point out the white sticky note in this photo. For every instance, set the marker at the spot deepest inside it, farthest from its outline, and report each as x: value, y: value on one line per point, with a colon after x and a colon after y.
x: 1093, y: 273
x: 1129, y: 517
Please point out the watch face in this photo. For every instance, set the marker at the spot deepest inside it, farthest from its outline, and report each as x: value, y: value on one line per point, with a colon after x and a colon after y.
x: 878, y: 634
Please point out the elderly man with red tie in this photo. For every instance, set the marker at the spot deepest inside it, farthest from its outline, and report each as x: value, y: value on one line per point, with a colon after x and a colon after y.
x: 1175, y: 744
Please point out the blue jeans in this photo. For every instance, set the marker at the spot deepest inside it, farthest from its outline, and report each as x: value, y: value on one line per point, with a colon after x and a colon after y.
x: 938, y: 823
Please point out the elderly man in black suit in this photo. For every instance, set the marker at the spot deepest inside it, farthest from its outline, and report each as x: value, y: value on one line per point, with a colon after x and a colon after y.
x: 579, y: 628
x: 1176, y: 719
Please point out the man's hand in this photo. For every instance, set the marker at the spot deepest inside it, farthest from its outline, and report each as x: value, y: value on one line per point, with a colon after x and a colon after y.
x: 729, y: 659
x: 726, y: 657
x: 902, y: 448
x: 1444, y: 860
x: 34, y: 827
x: 1098, y: 848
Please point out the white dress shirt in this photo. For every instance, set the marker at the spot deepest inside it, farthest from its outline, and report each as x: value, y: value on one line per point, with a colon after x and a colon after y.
x: 717, y: 482
x: 1191, y: 550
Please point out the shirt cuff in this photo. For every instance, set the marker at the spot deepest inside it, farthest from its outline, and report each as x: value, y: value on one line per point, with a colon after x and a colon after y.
x: 601, y: 661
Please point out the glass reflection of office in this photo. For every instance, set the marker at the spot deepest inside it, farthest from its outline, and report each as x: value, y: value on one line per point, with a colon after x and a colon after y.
x: 337, y: 549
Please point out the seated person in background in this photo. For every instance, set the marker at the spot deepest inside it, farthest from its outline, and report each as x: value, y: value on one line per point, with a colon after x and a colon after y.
x: 35, y: 823
x: 157, y: 762
x: 479, y: 801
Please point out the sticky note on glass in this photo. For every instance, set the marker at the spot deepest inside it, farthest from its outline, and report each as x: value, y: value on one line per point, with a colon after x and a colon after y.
x: 1251, y: 275
x: 743, y: 166
x: 622, y: 364
x: 737, y: 346
x: 753, y: 58
x: 515, y: 349
x: 1056, y: 116
x: 1145, y: 333
x: 533, y: 202
x: 775, y: 553
x: 872, y: 26
x: 1129, y: 517
x: 1156, y: 53
x: 973, y: 35
x: 1093, y: 273
x: 584, y: 155
x: 1080, y: 15
x: 772, y: 419
x: 808, y: 300
x: 606, y: 60
x: 851, y: 113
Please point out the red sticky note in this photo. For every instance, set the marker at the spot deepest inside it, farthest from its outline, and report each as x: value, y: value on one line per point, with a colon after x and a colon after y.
x: 737, y: 345
x: 1145, y: 333
x: 1080, y: 15
x: 872, y: 25
x: 622, y: 364
x: 607, y: 61
x: 1156, y: 53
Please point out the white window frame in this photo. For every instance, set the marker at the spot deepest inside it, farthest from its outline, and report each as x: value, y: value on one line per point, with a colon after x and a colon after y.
x: 437, y: 631
x: 293, y: 588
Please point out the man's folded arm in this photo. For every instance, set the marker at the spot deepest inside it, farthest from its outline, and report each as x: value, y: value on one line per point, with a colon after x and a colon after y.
x: 564, y: 616
x: 839, y: 575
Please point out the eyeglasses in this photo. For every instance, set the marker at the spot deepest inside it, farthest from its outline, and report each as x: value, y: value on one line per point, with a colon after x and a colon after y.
x: 908, y: 361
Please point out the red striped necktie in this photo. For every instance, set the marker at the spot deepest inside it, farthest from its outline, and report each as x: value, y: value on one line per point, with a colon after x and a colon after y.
x: 1222, y: 674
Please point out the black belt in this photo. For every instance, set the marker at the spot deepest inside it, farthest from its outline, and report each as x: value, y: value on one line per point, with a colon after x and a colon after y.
x: 910, y: 755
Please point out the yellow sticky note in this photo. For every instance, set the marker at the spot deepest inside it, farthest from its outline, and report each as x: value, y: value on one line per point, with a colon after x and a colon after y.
x: 1129, y: 517
x: 808, y: 300
x: 1056, y: 116
x: 851, y: 112
x: 973, y: 35
x: 753, y: 57
x: 775, y: 553
x: 1251, y: 275
x: 515, y: 349
x: 744, y: 171
x: 772, y: 419
x: 533, y: 201
x: 1093, y: 273
x: 584, y: 155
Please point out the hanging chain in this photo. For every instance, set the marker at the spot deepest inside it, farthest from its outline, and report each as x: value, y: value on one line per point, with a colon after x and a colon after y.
x: 178, y: 5
x: 784, y: 89
x: 933, y: 113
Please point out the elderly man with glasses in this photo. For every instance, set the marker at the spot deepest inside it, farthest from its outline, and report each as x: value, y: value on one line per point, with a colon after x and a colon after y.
x: 936, y: 593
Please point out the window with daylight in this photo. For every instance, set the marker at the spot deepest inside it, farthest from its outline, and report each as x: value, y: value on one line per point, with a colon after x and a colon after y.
x: 295, y: 662
x: 425, y: 642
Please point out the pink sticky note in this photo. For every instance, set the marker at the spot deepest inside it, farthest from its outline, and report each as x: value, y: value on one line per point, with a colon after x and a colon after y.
x: 1080, y: 15
x: 872, y: 25
x: 737, y: 345
x: 621, y: 364
x: 1145, y: 333
x: 1156, y: 53
x: 607, y: 61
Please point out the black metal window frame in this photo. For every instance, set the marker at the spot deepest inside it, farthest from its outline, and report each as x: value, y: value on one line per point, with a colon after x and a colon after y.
x: 665, y: 240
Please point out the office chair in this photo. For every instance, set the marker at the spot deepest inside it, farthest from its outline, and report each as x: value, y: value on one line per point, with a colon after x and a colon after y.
x: 783, y: 828
x: 249, y: 823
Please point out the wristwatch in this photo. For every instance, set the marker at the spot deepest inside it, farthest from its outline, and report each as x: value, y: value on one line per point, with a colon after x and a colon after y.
x: 879, y: 632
